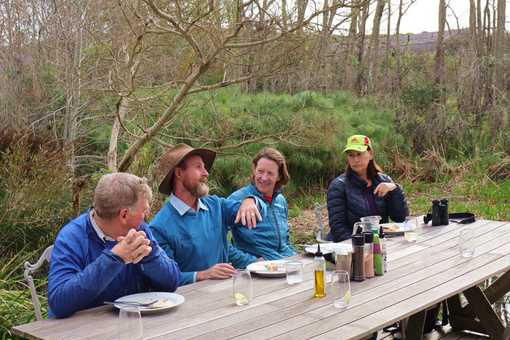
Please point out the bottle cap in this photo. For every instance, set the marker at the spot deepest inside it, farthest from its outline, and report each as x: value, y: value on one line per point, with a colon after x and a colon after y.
x: 435, y: 201
x: 358, y: 240
x: 318, y: 253
x: 444, y: 201
x: 369, y: 237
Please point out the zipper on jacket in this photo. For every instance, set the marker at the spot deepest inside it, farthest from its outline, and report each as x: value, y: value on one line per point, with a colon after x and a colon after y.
x: 277, y: 227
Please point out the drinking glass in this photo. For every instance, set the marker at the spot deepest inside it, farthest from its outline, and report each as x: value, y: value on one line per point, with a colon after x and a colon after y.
x: 294, y: 270
x: 373, y: 221
x: 467, y: 243
x: 130, y: 325
x: 242, y: 287
x: 341, y: 289
x: 410, y: 225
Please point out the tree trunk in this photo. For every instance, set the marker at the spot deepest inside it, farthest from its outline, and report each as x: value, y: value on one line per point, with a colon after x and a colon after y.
x: 373, y: 46
x: 397, y: 45
x: 361, y: 78
x: 499, y: 119
x: 439, y: 69
x: 352, y: 65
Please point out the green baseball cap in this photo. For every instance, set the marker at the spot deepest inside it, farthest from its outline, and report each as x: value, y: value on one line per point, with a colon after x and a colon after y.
x: 358, y: 143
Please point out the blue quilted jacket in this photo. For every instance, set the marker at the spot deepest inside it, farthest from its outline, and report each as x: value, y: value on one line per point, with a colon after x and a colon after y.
x: 270, y: 239
x: 349, y: 200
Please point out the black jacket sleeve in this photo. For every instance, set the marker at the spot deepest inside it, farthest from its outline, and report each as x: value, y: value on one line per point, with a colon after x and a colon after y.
x: 337, y: 211
x: 397, y: 205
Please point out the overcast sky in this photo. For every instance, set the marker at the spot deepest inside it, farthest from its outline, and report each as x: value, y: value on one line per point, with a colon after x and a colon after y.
x: 422, y: 15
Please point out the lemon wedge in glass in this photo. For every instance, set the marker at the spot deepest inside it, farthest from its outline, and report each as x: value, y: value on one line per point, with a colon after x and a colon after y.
x: 347, y: 297
x: 241, y: 299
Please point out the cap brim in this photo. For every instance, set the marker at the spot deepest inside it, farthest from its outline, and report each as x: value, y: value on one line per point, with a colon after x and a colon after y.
x: 360, y: 148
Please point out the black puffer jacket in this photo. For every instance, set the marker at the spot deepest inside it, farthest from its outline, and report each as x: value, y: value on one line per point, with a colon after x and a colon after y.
x: 348, y: 201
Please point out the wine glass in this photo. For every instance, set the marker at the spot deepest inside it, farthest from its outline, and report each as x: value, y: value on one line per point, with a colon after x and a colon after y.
x: 130, y: 325
x: 242, y: 287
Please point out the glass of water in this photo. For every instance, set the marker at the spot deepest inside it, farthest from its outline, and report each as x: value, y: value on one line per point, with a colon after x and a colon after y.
x: 410, y: 225
x: 242, y: 287
x: 130, y: 325
x: 467, y: 243
x: 341, y: 289
x: 294, y: 271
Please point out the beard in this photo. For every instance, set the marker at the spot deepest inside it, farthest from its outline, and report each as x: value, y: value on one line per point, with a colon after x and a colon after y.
x: 199, y: 190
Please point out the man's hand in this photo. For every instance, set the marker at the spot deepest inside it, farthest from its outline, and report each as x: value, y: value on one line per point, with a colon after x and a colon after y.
x: 133, y: 247
x: 384, y: 188
x: 248, y: 214
x: 218, y: 271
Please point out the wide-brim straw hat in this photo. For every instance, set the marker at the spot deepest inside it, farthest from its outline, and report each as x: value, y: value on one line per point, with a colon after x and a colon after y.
x: 174, y: 156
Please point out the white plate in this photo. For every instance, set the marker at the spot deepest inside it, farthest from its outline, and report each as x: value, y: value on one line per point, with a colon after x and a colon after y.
x: 327, y: 248
x: 260, y: 268
x: 167, y: 301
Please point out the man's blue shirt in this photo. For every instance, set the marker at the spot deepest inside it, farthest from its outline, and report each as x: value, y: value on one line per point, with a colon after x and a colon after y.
x: 84, y: 272
x: 197, y: 240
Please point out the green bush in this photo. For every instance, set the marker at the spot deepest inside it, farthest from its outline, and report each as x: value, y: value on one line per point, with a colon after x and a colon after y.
x: 35, y: 195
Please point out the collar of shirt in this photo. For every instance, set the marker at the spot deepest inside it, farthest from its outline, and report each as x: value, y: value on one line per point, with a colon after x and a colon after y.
x: 182, y: 207
x: 98, y: 230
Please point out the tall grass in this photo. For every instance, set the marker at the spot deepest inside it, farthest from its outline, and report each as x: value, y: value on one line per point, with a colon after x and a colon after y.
x: 15, y: 303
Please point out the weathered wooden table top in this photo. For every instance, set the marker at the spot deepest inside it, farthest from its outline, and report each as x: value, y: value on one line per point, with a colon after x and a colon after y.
x: 420, y: 275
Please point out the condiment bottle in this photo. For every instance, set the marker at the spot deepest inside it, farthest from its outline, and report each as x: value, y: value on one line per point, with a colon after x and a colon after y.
x: 368, y: 259
x: 383, y: 249
x: 378, y: 256
x: 319, y: 264
x: 358, y: 265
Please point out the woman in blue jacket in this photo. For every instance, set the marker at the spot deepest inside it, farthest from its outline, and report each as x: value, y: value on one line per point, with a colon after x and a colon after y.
x: 270, y: 239
x: 362, y: 190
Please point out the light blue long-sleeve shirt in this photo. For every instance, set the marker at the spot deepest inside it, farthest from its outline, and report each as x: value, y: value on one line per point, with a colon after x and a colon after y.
x: 197, y: 240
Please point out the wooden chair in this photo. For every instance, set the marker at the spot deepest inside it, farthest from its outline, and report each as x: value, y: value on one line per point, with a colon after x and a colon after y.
x: 27, y: 274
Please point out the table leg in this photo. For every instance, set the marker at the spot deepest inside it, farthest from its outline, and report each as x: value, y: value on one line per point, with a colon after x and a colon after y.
x: 483, y: 309
x: 499, y: 288
x: 415, y: 325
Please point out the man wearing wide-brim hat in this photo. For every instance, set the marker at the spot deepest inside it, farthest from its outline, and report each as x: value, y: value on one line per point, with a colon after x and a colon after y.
x: 192, y: 226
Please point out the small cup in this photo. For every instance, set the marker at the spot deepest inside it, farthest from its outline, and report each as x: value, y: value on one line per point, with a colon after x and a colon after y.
x: 130, y: 323
x: 410, y: 226
x: 467, y: 243
x: 242, y: 287
x: 294, y: 271
x: 341, y: 289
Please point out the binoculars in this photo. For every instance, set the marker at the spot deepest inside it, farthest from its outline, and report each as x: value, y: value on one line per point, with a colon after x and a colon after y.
x: 440, y: 212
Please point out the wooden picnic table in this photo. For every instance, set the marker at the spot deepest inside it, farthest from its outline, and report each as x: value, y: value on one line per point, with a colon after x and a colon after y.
x: 420, y: 275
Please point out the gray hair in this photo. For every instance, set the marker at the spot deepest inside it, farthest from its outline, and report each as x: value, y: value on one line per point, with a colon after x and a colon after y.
x: 119, y: 190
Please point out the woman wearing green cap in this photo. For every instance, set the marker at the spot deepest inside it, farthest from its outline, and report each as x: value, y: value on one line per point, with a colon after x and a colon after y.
x: 362, y: 190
